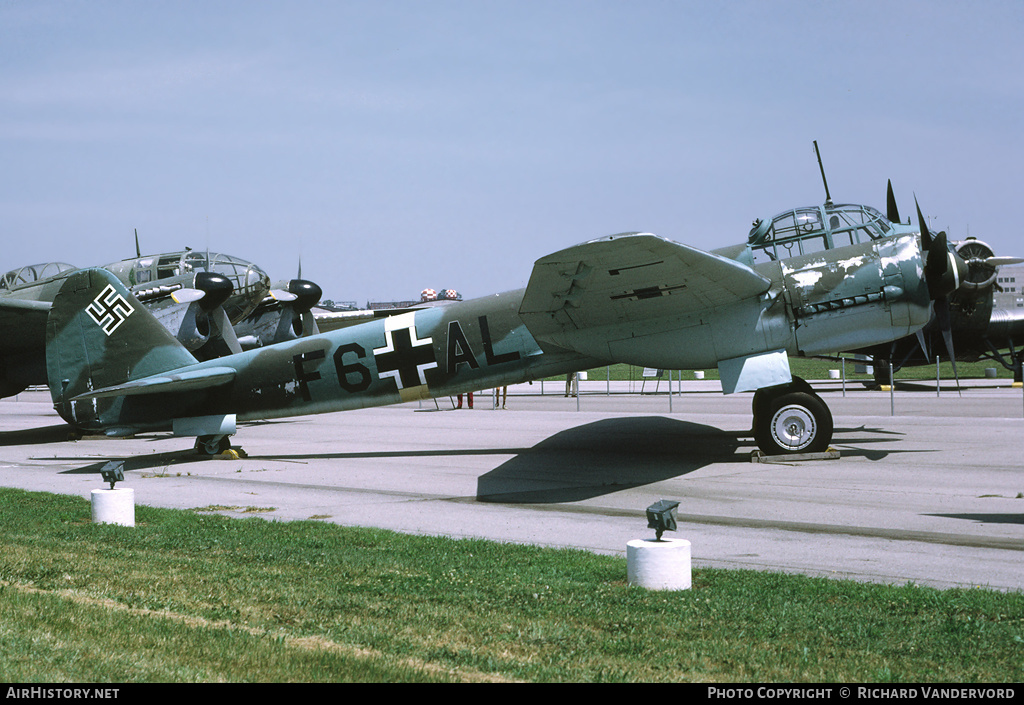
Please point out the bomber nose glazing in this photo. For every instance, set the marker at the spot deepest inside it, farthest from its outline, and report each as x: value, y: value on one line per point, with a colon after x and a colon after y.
x: 250, y: 283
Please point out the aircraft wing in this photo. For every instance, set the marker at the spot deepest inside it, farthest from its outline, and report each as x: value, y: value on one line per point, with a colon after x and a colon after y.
x: 631, y: 284
x: 18, y: 315
x: 23, y: 324
x: 188, y: 380
x: 333, y: 320
x: 328, y: 320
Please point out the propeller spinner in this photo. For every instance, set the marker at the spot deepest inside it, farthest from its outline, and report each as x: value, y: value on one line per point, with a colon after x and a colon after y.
x: 307, y: 295
x: 216, y: 289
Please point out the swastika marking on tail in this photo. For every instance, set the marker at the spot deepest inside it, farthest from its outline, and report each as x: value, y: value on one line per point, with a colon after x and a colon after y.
x: 109, y: 309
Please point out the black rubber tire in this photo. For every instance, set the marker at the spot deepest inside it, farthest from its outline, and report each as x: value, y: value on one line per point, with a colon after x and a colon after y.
x: 205, y: 445
x: 795, y: 422
x: 881, y: 373
x: 761, y: 403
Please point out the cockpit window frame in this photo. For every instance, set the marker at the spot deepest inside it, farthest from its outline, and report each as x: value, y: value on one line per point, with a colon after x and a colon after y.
x: 29, y: 274
x: 803, y: 231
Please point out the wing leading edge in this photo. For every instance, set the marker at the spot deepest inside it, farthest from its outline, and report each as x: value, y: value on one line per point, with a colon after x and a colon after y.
x: 632, y: 283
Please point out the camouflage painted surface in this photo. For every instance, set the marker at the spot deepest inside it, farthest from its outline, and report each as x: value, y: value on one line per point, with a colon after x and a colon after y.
x: 631, y: 298
x: 99, y: 337
x: 25, y: 303
x: 841, y: 297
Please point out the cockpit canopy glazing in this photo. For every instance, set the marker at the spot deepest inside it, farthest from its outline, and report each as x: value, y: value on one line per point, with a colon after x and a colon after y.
x: 803, y: 231
x: 32, y: 273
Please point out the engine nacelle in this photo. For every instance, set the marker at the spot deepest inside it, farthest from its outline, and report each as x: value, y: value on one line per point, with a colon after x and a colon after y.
x: 189, y: 324
x: 874, y: 293
x: 195, y: 328
x: 295, y: 320
x: 980, y: 273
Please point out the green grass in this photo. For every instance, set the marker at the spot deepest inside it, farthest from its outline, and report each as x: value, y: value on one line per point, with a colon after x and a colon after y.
x: 185, y: 596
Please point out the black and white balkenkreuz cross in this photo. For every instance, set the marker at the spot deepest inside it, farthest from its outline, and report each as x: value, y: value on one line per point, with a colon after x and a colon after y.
x: 404, y: 357
x: 109, y: 309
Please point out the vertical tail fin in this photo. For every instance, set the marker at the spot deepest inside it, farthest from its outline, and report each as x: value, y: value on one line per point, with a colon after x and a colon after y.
x: 99, y: 335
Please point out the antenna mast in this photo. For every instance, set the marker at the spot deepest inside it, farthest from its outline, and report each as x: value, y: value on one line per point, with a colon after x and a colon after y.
x: 828, y: 196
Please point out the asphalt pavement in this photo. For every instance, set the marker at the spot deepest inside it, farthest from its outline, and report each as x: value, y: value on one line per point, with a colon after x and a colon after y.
x: 928, y: 487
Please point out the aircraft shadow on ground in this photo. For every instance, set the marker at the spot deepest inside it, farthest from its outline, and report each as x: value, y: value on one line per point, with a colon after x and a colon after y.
x: 578, y: 463
x: 848, y: 440
x: 36, y: 436
x: 945, y: 387
x: 986, y: 518
x: 615, y: 454
x: 608, y: 456
x: 586, y: 461
x: 140, y: 463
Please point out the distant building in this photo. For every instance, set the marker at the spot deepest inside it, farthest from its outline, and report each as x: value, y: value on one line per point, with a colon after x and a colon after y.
x: 1009, y: 289
x: 330, y: 305
x: 381, y: 305
x: 426, y: 295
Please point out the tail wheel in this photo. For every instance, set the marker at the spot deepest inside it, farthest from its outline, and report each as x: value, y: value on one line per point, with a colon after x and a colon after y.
x: 795, y: 422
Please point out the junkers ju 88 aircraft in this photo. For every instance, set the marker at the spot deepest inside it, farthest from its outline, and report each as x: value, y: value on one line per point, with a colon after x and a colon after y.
x: 214, y: 304
x: 635, y: 298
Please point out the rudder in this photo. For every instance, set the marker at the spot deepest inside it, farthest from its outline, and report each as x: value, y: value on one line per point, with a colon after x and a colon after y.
x: 99, y: 335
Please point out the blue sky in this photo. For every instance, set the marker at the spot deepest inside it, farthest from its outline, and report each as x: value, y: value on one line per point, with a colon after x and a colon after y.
x: 394, y: 145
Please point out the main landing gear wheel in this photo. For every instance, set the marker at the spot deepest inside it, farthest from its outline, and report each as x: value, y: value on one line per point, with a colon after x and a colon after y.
x: 881, y: 372
x: 212, y: 445
x: 792, y: 422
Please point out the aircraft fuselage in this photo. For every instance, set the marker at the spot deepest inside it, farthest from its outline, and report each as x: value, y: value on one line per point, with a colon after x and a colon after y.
x: 483, y: 343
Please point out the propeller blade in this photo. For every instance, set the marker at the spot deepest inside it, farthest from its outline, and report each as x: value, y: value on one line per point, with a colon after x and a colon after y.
x: 936, y: 266
x: 309, y: 326
x: 225, y: 329
x: 947, y: 336
x: 942, y: 318
x: 944, y: 269
x: 1000, y: 261
x: 892, y: 212
x: 187, y: 296
x: 923, y: 343
x: 282, y: 295
x: 926, y: 237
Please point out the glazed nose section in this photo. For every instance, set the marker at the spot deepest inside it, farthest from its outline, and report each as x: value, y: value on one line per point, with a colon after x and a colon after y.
x: 256, y: 282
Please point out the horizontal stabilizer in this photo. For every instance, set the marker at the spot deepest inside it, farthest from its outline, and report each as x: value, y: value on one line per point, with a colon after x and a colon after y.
x: 629, y: 281
x: 180, y: 381
x: 24, y: 304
